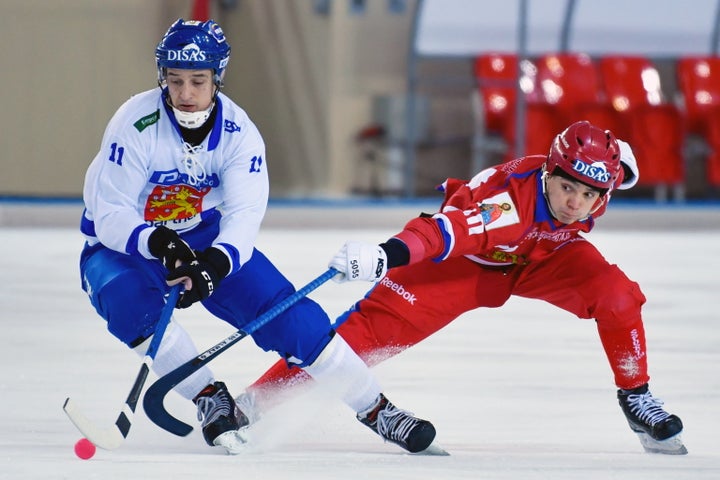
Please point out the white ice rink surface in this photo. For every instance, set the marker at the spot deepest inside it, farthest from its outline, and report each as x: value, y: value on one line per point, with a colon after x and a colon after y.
x: 522, y: 392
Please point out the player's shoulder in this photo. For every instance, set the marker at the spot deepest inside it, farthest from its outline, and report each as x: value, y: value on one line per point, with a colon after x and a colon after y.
x: 237, y: 123
x: 139, y: 111
x: 522, y: 165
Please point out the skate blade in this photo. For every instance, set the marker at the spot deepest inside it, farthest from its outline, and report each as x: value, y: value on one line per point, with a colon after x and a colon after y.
x: 671, y: 446
x: 433, y: 450
x: 234, y: 442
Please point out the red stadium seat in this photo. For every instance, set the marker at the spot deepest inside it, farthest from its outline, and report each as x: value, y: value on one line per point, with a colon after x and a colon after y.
x: 654, y: 127
x: 497, y: 76
x: 570, y: 83
x: 699, y: 82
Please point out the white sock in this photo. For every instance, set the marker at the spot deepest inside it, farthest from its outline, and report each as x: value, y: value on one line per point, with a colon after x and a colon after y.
x: 176, y: 349
x: 340, y: 369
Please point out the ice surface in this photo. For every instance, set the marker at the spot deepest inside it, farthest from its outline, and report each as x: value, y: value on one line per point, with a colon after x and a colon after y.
x: 521, y: 392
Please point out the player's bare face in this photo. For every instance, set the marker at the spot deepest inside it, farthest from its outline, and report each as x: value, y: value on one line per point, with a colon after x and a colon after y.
x: 190, y: 90
x: 569, y: 200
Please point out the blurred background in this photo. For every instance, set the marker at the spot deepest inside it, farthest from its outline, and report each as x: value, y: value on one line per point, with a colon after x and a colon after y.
x: 378, y: 98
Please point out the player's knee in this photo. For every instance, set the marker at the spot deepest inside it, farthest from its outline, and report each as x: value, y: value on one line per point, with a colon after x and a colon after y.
x: 623, y: 302
x: 130, y: 312
x: 299, y: 334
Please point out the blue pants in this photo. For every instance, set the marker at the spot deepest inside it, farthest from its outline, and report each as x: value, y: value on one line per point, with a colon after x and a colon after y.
x: 128, y: 290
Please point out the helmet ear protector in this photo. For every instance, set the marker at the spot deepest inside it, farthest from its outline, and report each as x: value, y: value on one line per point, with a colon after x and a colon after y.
x: 193, y: 45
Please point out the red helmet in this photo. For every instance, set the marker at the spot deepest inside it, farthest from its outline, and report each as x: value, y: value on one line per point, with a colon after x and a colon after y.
x: 588, y: 154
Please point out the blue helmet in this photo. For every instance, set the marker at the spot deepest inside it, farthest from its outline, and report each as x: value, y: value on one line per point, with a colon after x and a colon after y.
x: 193, y: 45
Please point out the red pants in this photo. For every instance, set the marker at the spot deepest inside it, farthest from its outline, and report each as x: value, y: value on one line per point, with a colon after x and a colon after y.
x: 415, y: 301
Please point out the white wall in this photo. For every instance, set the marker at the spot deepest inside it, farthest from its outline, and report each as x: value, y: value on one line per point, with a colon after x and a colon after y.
x: 648, y: 27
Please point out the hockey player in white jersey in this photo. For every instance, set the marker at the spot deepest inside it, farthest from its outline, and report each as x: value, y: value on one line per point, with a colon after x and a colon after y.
x: 176, y: 194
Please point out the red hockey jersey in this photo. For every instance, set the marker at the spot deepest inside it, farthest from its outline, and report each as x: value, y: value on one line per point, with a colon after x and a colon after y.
x: 500, y: 217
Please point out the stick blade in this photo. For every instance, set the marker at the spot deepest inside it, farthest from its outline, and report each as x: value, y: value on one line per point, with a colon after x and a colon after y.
x: 105, y: 438
x: 154, y: 406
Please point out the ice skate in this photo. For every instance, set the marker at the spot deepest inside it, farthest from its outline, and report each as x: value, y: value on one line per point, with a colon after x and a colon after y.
x: 223, y: 423
x: 400, y: 427
x: 659, y: 431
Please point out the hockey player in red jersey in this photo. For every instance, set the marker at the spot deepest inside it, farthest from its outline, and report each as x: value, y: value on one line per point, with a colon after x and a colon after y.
x: 514, y: 229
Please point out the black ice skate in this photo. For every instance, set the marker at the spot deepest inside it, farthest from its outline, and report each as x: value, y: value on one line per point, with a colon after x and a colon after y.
x: 398, y: 426
x: 221, y: 418
x: 658, y: 430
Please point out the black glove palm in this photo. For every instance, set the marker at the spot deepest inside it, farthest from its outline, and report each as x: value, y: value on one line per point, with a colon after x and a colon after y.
x: 201, y: 276
x: 166, y: 245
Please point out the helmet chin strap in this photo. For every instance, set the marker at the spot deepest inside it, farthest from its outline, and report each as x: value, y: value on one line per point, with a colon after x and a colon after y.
x: 546, y: 174
x: 601, y: 201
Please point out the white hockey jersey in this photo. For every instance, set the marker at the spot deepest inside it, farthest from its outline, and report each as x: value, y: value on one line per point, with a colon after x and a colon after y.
x: 145, y: 175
